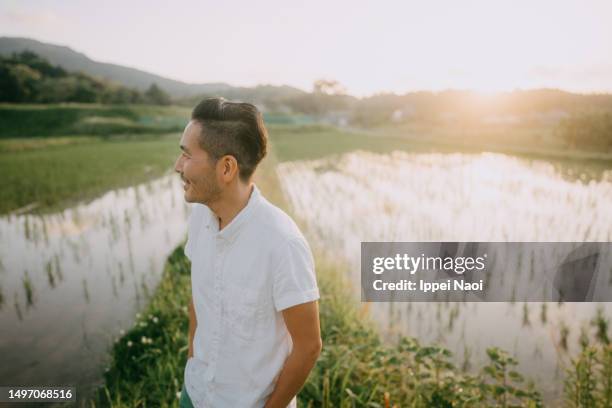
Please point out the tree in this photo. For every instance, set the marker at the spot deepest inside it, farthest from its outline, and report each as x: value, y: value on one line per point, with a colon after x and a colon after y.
x: 18, y: 82
x: 328, y: 87
x: 587, y: 131
x: 157, y: 96
x: 39, y: 64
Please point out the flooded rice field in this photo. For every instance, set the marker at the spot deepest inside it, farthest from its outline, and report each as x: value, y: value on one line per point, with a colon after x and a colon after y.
x: 360, y: 196
x: 70, y: 282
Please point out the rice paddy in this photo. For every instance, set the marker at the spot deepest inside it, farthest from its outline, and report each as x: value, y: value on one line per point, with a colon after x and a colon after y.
x: 364, y: 196
x: 79, y: 276
x: 85, y: 294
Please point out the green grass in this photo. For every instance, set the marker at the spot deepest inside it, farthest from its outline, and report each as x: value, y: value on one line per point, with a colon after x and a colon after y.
x: 63, y: 173
x: 316, y: 141
x: 18, y: 145
x: 54, y: 155
x: 589, y: 378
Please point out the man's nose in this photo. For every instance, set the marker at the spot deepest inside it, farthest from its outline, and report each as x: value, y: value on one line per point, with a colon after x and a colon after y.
x: 177, y: 165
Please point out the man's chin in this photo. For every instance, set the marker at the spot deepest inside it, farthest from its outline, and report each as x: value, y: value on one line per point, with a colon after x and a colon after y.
x: 188, y: 198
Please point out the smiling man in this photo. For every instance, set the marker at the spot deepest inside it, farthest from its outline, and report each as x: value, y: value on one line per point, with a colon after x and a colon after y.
x: 254, y: 332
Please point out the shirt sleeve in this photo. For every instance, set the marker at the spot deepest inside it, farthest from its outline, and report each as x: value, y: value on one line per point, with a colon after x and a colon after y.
x: 294, y: 277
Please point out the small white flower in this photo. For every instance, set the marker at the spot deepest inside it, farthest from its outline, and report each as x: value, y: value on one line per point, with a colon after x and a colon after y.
x: 129, y: 343
x: 121, y: 332
x: 143, y: 340
x: 178, y: 395
x: 143, y: 324
x: 155, y: 320
x: 138, y: 315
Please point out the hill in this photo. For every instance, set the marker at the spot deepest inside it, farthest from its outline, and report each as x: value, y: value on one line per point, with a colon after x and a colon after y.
x: 74, y: 61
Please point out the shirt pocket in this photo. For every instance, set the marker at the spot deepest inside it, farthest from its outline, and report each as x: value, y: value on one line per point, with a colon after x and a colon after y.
x: 243, y: 311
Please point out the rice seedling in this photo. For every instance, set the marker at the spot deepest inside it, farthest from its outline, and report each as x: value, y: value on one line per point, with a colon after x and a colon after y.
x: 85, y: 290
x: 49, y: 270
x: 17, y: 307
x: 543, y: 315
x: 564, y: 333
x: 601, y: 322
x: 28, y: 289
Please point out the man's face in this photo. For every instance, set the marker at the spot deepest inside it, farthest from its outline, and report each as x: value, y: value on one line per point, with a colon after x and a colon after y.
x: 197, y: 169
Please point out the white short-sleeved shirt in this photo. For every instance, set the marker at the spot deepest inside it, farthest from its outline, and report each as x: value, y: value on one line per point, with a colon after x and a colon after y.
x: 242, y: 277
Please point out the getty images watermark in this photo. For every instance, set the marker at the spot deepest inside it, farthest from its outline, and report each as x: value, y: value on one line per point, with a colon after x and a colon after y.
x: 486, y: 271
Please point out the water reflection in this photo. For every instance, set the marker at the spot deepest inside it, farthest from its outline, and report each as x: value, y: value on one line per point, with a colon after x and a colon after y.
x: 69, y: 282
x: 363, y: 196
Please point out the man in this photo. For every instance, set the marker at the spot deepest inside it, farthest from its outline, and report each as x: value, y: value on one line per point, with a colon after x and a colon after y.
x: 254, y: 330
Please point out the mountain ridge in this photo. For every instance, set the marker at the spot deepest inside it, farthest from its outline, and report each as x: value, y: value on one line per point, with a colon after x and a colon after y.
x: 72, y: 60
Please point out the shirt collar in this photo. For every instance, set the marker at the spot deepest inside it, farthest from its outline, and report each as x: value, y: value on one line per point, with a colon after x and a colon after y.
x: 231, y: 230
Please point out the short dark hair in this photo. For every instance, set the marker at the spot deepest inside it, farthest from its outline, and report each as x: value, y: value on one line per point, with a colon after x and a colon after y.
x: 232, y: 128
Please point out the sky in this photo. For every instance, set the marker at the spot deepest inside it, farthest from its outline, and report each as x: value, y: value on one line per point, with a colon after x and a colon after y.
x: 369, y: 47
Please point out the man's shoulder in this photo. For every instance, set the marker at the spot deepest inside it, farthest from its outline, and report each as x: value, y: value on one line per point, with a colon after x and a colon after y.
x: 276, y: 224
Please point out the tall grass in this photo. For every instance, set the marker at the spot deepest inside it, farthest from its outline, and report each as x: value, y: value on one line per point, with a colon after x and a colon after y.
x: 357, y: 369
x: 589, y: 378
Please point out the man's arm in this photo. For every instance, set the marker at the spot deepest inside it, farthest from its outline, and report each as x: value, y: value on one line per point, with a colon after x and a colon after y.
x: 302, y: 322
x: 192, y: 327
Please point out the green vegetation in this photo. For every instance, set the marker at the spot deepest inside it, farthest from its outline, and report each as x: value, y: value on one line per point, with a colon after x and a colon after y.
x: 147, y: 364
x: 592, y: 130
x: 589, y: 378
x: 17, y: 145
x: 88, y: 119
x: 62, y: 174
x: 53, y: 155
x: 27, y: 77
x: 316, y: 141
x: 357, y: 369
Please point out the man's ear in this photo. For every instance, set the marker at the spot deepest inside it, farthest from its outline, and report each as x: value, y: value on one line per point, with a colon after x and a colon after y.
x: 229, y: 168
